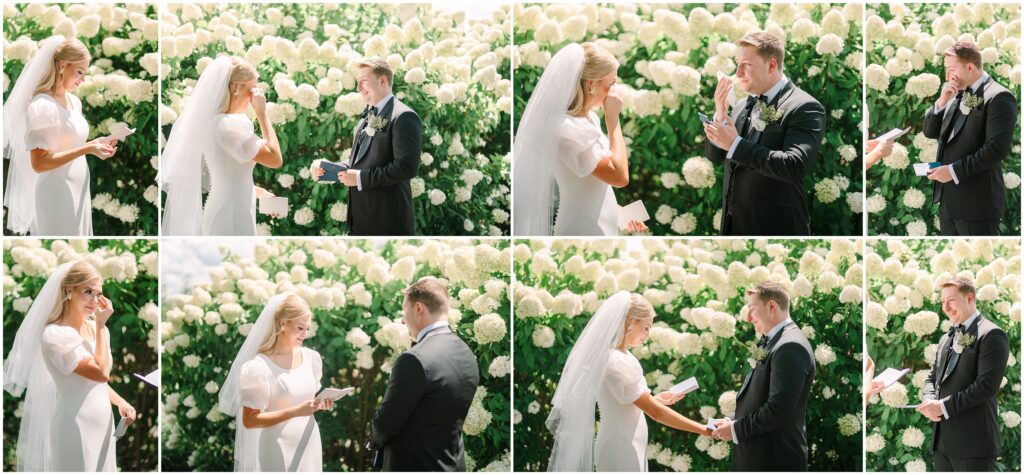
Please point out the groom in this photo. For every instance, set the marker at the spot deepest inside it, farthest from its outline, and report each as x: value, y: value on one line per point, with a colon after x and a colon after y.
x: 384, y: 158
x: 960, y: 391
x: 767, y: 145
x: 769, y: 430
x: 974, y: 121
x: 418, y: 426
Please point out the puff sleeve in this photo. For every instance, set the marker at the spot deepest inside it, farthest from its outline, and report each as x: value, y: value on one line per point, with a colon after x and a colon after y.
x: 43, y: 129
x: 237, y: 137
x: 318, y: 367
x: 254, y: 384
x: 579, y: 146
x: 624, y: 381
x: 64, y: 348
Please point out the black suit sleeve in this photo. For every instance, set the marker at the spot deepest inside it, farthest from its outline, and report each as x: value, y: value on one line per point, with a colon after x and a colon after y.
x: 930, y: 390
x: 714, y: 153
x: 1000, y: 123
x: 790, y: 367
x: 799, y: 147
x: 407, y: 144
x: 933, y: 122
x: 405, y: 389
x: 994, y: 350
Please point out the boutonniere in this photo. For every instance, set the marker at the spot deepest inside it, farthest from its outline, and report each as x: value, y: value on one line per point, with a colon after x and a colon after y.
x: 766, y: 114
x: 757, y: 355
x: 970, y: 102
x: 962, y: 340
x: 375, y: 123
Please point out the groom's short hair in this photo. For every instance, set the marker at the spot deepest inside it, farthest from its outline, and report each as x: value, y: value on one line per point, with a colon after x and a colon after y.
x: 771, y: 291
x: 766, y: 44
x: 431, y: 292
x: 964, y: 284
x: 379, y: 68
x: 966, y: 52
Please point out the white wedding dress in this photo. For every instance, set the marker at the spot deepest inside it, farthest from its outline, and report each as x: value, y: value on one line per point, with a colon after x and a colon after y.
x: 622, y: 433
x: 231, y: 205
x: 82, y: 428
x: 63, y: 204
x: 586, y: 205
x: 293, y: 445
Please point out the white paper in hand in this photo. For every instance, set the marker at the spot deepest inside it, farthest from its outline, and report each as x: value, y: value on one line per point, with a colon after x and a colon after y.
x: 120, y: 134
x: 921, y: 169
x: 890, y: 376
x: 685, y: 387
x: 334, y: 393
x: 122, y: 427
x: 712, y: 423
x: 634, y: 211
x: 152, y: 378
x: 893, y: 134
x: 277, y: 205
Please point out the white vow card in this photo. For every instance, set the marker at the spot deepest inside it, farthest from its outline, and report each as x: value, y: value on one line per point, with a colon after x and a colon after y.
x: 890, y: 376
x: 712, y: 422
x: 893, y: 134
x: 921, y: 169
x: 685, y: 387
x: 151, y: 378
x: 334, y: 393
x: 634, y: 211
x: 274, y: 205
x: 122, y: 427
x: 120, y: 134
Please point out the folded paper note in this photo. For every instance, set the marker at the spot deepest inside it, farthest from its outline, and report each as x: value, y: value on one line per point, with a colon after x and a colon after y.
x: 122, y: 427
x: 276, y: 205
x: 893, y: 134
x: 120, y: 134
x: 890, y: 376
x: 151, y: 378
x: 712, y: 423
x: 921, y: 169
x: 334, y: 393
x: 685, y: 387
x: 634, y: 211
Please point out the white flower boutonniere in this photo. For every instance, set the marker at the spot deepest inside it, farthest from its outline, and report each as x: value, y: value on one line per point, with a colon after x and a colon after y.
x: 970, y: 102
x: 766, y: 114
x: 374, y: 123
x: 962, y: 340
x: 757, y: 355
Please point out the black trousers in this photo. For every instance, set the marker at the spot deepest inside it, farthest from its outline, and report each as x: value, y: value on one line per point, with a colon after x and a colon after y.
x: 954, y: 227
x: 947, y: 464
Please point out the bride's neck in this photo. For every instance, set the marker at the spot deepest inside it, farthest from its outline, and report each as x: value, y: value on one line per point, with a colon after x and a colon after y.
x: 237, y: 107
x: 74, y: 319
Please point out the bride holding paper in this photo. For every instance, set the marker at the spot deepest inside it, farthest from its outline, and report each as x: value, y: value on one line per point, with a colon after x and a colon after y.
x: 272, y: 391
x: 600, y: 370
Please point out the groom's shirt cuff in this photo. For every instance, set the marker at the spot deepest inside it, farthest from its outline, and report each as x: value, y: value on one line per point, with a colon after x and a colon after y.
x: 952, y: 173
x: 942, y: 405
x: 735, y: 439
x: 359, y: 180
x: 732, y: 148
x: 938, y: 110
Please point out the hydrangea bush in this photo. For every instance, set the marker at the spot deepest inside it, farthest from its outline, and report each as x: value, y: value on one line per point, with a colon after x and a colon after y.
x: 119, y: 90
x: 670, y: 56
x: 354, y: 289
x: 904, y: 321
x: 129, y: 269
x: 697, y: 289
x: 453, y: 71
x: 904, y: 76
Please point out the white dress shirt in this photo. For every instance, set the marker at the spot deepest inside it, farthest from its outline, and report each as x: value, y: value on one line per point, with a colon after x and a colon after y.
x: 380, y: 105
x: 429, y: 328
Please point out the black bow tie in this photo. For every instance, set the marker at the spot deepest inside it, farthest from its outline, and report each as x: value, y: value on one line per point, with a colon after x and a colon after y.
x: 953, y: 329
x: 751, y: 100
x: 960, y: 94
x: 369, y: 110
x: 763, y: 341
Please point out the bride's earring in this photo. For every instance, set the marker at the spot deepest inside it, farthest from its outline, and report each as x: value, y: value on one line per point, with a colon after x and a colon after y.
x: 68, y: 296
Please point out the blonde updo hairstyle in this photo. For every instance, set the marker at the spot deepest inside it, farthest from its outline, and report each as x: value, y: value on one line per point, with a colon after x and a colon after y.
x: 640, y: 310
x: 71, y: 50
x: 241, y: 73
x: 597, y: 63
x: 80, y: 273
x: 292, y: 308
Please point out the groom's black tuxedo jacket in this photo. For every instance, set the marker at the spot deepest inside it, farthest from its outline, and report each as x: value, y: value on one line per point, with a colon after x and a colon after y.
x: 763, y: 188
x: 418, y: 426
x: 970, y: 380
x: 771, y: 406
x: 976, y: 146
x: 386, y: 162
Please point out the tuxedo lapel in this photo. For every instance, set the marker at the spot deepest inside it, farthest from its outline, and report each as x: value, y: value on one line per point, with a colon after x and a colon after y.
x: 954, y: 357
x: 787, y: 89
x: 961, y: 119
x: 364, y: 138
x: 767, y: 349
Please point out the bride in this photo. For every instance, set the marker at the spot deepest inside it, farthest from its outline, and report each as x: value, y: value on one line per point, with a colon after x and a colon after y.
x: 63, y: 359
x: 600, y: 369
x: 214, y: 130
x: 271, y: 388
x: 560, y: 137
x: 45, y: 136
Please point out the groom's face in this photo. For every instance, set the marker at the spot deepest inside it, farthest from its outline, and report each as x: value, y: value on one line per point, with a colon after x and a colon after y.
x: 759, y: 314
x: 371, y: 87
x: 957, y: 306
x: 753, y: 71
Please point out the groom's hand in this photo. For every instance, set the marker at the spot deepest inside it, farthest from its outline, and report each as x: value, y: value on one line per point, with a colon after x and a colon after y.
x: 723, y: 431
x: 317, y: 173
x: 931, y: 409
x: 940, y: 174
x: 722, y: 135
x: 347, y: 177
x: 722, y: 97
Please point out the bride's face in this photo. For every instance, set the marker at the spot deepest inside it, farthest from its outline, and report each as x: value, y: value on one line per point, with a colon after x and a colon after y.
x: 601, y: 87
x: 73, y: 75
x: 85, y: 298
x: 638, y: 332
x: 296, y: 331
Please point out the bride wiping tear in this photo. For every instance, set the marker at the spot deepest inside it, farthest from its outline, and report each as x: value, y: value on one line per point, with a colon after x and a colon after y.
x: 560, y: 141
x: 601, y: 371
x: 214, y: 130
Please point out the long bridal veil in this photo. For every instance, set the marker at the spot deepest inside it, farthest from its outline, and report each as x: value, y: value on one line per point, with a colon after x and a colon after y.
x: 572, y: 409
x: 536, y: 143
x: 247, y: 457
x: 181, y: 163
x: 25, y: 369
x: 20, y: 197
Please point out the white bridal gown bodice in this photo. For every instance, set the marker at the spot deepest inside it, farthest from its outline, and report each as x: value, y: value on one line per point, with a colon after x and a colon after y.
x: 586, y: 205
x: 82, y: 428
x: 231, y: 205
x: 63, y: 200
x: 621, y: 444
x: 293, y: 445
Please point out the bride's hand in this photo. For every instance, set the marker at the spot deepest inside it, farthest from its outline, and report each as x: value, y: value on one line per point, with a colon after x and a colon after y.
x: 637, y: 227
x: 101, y: 149
x: 326, y: 405
x: 259, y: 101
x: 613, y: 102
x: 668, y: 398
x: 104, y: 309
x: 263, y: 192
x: 126, y: 410
x: 306, y: 408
